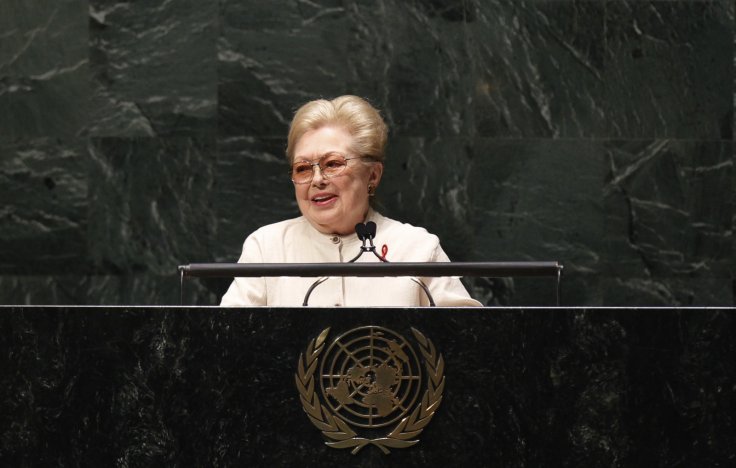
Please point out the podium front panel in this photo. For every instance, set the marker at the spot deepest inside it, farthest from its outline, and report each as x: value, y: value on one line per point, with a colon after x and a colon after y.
x: 208, y: 386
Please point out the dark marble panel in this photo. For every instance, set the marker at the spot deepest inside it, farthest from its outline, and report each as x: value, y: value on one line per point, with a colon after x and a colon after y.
x: 643, y: 221
x: 44, y: 68
x: 668, y: 69
x: 604, y: 69
x: 504, y: 68
x: 425, y: 184
x: 534, y: 199
x: 669, y: 222
x: 275, y: 56
x: 154, y: 66
x: 665, y: 291
x: 669, y: 208
x: 539, y: 200
x: 150, y: 203
x: 43, y: 213
x: 251, y: 189
x: 543, y: 387
x: 127, y: 289
x: 41, y: 290
x: 413, y: 60
x: 567, y: 201
x: 539, y: 68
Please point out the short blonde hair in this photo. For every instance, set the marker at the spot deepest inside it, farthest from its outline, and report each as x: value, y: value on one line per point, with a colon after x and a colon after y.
x: 354, y: 114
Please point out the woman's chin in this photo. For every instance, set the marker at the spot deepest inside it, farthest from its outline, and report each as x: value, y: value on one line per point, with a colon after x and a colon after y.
x: 332, y: 219
x: 324, y: 224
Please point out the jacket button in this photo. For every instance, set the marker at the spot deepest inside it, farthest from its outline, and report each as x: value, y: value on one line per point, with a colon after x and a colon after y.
x: 335, y: 240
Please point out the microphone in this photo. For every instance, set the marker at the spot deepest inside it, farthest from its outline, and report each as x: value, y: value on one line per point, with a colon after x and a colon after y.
x: 366, y: 233
x: 370, y: 229
x: 361, y: 231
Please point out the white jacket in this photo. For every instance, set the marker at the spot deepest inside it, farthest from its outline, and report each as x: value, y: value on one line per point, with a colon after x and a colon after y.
x: 296, y: 241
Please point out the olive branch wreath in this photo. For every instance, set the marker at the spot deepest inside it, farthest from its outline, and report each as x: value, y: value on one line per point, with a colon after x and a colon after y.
x: 335, y: 428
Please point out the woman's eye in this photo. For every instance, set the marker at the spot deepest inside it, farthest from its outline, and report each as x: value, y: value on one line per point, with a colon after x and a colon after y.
x: 334, y: 163
x: 301, y: 168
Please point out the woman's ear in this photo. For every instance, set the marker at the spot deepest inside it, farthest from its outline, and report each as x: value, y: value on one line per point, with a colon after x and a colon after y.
x: 374, y: 178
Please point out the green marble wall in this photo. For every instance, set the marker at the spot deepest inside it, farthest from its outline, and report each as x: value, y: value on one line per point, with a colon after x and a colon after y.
x: 137, y: 136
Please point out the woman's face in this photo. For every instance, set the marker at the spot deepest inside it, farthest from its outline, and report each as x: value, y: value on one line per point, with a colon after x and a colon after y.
x: 336, y: 204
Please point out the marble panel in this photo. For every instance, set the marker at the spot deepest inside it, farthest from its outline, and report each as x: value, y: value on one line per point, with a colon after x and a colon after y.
x: 252, y: 188
x: 665, y: 291
x: 560, y: 200
x: 667, y: 69
x: 425, y: 184
x: 414, y: 61
x: 539, y: 200
x: 590, y: 90
x: 43, y: 213
x: 669, y: 223
x: 155, y: 68
x: 42, y: 290
x: 669, y: 208
x: 604, y: 69
x: 538, y: 68
x: 150, y: 203
x: 44, y: 68
x: 274, y: 57
x: 121, y: 289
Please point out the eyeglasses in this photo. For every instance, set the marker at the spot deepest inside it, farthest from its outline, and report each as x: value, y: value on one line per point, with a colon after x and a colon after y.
x: 330, y: 165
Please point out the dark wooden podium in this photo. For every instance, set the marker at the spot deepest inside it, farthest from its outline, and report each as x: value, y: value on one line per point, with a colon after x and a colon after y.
x: 198, y: 386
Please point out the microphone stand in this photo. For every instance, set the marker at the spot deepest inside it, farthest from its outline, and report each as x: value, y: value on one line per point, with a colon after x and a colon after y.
x: 366, y: 233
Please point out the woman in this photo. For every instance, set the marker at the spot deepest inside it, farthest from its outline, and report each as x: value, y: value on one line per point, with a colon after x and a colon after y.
x: 336, y: 151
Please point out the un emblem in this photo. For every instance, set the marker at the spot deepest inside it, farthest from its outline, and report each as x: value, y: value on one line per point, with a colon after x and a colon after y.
x: 371, y: 381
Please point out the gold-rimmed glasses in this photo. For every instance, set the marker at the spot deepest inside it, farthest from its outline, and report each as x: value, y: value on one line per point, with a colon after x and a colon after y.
x: 330, y: 165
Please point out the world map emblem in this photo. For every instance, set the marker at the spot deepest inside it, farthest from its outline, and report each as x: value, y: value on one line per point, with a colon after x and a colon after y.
x: 370, y: 387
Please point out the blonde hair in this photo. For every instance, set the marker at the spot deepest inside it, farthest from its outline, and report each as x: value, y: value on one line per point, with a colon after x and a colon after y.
x: 354, y: 114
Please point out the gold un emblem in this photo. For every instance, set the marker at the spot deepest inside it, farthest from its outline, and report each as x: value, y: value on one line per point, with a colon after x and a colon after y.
x: 367, y: 387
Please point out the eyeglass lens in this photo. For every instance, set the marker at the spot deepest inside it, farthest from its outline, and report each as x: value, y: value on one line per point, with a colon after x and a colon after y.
x: 330, y: 165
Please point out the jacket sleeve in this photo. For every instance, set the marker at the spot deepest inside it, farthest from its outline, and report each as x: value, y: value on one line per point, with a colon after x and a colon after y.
x: 447, y: 291
x: 247, y: 291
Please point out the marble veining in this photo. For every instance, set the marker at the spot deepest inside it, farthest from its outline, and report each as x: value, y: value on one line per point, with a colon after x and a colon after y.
x: 137, y: 136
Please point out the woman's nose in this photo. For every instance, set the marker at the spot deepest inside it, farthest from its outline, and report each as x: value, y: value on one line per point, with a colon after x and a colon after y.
x: 317, y: 176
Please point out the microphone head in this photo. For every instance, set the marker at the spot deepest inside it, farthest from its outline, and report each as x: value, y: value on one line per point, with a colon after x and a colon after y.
x: 361, y: 231
x: 370, y: 228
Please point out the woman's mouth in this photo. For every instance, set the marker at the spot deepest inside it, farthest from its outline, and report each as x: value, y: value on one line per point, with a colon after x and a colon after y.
x: 323, y: 199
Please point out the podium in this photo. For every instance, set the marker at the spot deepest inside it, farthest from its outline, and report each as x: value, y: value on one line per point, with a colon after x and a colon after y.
x: 208, y: 386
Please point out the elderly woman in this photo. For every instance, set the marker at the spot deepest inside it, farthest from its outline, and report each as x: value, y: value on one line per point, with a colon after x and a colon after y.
x: 336, y: 151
